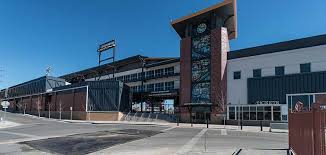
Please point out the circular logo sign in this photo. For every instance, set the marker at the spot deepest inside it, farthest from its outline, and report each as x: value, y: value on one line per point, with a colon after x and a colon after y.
x: 201, y: 28
x: 5, y: 104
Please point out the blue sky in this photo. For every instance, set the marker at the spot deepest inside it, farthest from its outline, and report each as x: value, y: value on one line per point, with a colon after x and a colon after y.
x: 65, y: 34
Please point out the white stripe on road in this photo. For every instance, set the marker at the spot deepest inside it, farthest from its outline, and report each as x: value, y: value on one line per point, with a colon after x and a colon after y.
x: 187, y: 147
x: 19, y: 134
x: 168, y: 129
x: 223, y: 132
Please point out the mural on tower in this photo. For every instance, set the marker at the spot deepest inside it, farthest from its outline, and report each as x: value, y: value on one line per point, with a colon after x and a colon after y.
x: 201, y: 53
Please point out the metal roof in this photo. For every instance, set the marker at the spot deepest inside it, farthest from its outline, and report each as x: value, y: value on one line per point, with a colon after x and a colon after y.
x: 278, y: 47
x: 227, y: 9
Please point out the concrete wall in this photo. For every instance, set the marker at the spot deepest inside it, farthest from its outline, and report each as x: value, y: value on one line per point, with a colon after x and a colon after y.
x: 237, y: 88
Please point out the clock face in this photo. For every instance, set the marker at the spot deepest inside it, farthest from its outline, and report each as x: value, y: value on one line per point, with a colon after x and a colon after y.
x: 201, y: 28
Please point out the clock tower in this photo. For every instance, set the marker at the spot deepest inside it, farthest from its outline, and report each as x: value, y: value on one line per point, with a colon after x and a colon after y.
x: 204, y: 45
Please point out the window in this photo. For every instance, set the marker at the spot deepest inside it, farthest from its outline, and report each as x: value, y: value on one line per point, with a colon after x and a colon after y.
x: 133, y: 77
x: 305, y: 68
x: 141, y: 88
x: 159, y: 72
x: 159, y: 86
x: 134, y: 89
x: 279, y: 70
x: 120, y: 78
x: 232, y: 113
x: 140, y: 75
x: 169, y: 71
x: 149, y: 74
x: 257, y: 73
x: 169, y: 85
x: 150, y: 87
x: 127, y: 78
x: 237, y: 75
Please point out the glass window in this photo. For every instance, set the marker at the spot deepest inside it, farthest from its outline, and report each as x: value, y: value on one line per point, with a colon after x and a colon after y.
x: 169, y: 85
x: 159, y: 72
x: 134, y: 89
x: 267, y: 108
x: 267, y: 115
x: 141, y: 88
x: 237, y: 75
x: 253, y: 115
x: 133, y: 77
x: 127, y: 78
x: 260, y: 108
x: 279, y: 70
x: 260, y: 115
x: 140, y: 75
x: 120, y: 78
x: 159, y: 86
x: 149, y: 74
x: 277, y: 116
x: 169, y: 71
x: 232, y: 115
x: 276, y: 108
x: 246, y: 115
x: 150, y: 87
x: 257, y: 73
x: 305, y: 68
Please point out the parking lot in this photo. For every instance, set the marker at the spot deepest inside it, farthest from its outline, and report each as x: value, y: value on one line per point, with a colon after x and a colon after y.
x: 43, y: 136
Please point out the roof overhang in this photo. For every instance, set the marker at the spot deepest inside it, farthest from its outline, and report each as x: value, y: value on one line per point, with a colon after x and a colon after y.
x: 226, y: 9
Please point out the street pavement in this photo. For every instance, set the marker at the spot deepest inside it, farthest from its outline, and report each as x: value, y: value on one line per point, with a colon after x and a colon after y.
x: 36, y: 135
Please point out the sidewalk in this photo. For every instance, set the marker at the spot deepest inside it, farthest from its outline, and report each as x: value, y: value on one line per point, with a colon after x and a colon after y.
x: 181, y: 125
x: 7, y: 124
x: 185, y: 125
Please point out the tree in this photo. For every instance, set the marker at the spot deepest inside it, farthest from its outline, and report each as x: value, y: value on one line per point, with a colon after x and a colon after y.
x: 221, y: 99
x: 38, y: 106
x: 60, y: 108
x: 19, y: 106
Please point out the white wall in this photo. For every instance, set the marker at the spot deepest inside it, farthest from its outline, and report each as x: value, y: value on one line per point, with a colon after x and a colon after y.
x: 237, y: 89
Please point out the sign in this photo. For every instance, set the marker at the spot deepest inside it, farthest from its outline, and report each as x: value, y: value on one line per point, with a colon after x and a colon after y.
x: 5, y: 104
x: 106, y: 46
x: 268, y: 102
x: 70, y: 108
x: 201, y: 109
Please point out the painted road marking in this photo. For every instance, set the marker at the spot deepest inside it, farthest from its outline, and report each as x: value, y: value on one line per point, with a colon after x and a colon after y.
x: 19, y: 134
x: 168, y: 129
x: 187, y: 147
x: 223, y: 132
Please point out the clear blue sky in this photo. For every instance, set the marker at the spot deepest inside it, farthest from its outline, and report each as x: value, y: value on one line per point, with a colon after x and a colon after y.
x: 65, y: 34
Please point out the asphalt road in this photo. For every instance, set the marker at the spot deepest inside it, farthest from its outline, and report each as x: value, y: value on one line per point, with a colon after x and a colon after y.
x: 43, y: 136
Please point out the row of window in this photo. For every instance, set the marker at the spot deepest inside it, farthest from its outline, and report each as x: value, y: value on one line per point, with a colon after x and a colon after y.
x: 279, y: 70
x: 30, y: 88
x: 148, y: 74
x: 163, y: 86
x: 255, y: 113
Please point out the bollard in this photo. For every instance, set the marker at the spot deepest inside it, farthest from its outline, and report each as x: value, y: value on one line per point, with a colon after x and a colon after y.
x: 261, y: 125
x: 207, y: 123
x: 241, y: 124
x: 177, y: 121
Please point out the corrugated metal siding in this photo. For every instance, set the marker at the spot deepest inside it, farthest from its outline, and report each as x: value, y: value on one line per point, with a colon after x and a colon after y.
x: 104, y: 95
x: 39, y: 85
x: 107, y: 96
x: 275, y: 88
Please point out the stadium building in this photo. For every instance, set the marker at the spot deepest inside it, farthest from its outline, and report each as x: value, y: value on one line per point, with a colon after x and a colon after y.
x: 207, y: 82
